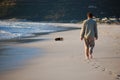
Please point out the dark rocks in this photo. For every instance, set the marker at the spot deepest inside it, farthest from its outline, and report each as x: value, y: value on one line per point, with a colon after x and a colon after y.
x: 59, y: 39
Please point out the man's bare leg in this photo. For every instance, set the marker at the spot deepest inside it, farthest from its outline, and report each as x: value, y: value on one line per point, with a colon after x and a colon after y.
x: 87, y: 52
x: 90, y: 53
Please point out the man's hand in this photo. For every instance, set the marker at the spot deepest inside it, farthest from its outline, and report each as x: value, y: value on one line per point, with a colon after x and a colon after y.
x: 96, y: 38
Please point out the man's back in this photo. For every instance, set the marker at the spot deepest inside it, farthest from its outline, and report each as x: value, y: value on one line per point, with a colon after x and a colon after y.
x: 89, y: 28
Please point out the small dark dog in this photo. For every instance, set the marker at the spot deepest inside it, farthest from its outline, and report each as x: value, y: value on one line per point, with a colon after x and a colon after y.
x: 59, y: 39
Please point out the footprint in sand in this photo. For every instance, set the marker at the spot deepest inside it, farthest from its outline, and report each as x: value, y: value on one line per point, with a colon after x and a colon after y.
x: 118, y: 77
x: 86, y: 60
x: 110, y: 72
x: 103, y: 69
x: 96, y: 66
x: 92, y: 63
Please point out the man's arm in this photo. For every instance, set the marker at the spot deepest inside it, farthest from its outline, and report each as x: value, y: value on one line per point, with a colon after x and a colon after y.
x: 83, y: 30
x: 96, y: 31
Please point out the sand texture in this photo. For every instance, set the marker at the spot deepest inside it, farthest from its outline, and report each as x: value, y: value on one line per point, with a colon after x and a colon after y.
x: 64, y: 60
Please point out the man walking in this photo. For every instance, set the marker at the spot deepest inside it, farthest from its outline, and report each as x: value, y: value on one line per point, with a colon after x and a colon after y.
x: 89, y: 33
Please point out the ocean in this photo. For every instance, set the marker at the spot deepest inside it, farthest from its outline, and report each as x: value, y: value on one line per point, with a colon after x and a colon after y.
x: 18, y: 30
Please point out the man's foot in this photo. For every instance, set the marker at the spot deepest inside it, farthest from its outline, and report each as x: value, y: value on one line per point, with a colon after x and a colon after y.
x: 87, y: 57
x: 90, y: 56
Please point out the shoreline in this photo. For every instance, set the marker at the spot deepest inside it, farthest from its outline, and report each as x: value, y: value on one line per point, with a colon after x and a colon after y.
x: 64, y: 60
x: 9, y: 36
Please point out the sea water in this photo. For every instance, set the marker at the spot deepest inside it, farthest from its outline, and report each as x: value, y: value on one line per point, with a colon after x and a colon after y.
x: 18, y: 30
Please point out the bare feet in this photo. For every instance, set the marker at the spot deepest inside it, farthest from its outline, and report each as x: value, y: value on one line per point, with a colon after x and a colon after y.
x: 86, y: 57
x: 91, y: 57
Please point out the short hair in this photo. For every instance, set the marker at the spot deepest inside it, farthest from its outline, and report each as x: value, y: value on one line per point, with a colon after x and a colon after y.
x: 89, y: 14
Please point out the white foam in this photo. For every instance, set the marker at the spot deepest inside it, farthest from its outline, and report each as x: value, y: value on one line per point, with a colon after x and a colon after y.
x: 9, y: 30
x: 6, y: 35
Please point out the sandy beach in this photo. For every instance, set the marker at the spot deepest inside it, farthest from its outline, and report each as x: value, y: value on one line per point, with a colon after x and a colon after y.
x: 64, y: 60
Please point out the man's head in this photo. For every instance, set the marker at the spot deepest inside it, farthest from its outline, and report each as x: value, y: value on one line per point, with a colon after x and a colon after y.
x: 89, y: 15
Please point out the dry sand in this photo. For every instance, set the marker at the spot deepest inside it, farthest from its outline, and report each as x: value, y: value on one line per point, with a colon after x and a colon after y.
x: 64, y: 60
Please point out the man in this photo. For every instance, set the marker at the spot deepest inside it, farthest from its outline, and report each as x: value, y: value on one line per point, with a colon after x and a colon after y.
x: 89, y: 33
